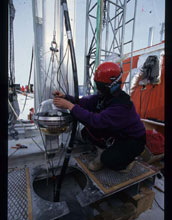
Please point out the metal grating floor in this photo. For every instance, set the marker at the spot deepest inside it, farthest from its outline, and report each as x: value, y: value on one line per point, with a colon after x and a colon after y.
x: 109, y: 180
x: 18, y: 197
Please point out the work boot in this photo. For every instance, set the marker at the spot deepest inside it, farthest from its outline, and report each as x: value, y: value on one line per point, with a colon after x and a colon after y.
x: 96, y: 164
x: 128, y: 168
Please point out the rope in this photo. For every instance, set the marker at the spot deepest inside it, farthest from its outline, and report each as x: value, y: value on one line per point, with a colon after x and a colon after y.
x: 55, y: 13
x: 46, y: 77
x: 59, y: 69
x: 29, y: 79
x: 159, y: 205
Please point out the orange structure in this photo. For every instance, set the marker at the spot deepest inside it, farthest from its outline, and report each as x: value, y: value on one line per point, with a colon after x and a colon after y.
x: 149, y: 99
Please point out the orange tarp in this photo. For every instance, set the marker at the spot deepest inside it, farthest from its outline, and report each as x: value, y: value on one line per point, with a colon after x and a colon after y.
x: 126, y: 66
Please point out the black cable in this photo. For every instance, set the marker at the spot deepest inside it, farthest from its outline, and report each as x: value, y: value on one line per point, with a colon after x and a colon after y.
x: 75, y: 79
x: 67, y: 73
x: 29, y: 78
x: 52, y: 67
x: 59, y: 70
x: 65, y: 164
x: 159, y: 205
x: 63, y: 151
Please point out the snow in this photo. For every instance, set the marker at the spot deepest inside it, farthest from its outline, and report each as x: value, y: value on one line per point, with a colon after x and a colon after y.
x: 29, y: 104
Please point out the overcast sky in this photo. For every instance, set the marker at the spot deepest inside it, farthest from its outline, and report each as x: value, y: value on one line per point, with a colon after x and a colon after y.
x: 149, y: 13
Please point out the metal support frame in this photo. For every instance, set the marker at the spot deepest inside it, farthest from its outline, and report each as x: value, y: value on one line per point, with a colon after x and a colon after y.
x: 11, y: 43
x: 111, y: 39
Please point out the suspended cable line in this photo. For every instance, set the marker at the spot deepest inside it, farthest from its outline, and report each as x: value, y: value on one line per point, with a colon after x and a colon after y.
x: 28, y: 80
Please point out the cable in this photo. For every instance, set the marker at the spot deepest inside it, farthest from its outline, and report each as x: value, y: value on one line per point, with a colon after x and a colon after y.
x: 29, y: 78
x: 46, y: 76
x: 63, y: 151
x: 23, y: 93
x: 159, y: 205
x: 13, y: 109
x: 55, y: 13
x: 59, y: 69
x: 22, y: 125
x: 37, y: 144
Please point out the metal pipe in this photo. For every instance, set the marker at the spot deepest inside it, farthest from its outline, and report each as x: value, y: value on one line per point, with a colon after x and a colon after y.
x: 162, y: 31
x: 61, y: 33
x: 132, y: 45
x: 98, y: 31
x: 150, y: 38
x: 123, y: 28
x: 113, y: 43
x: 11, y: 44
x: 107, y: 31
x: 38, y: 53
x: 86, y: 68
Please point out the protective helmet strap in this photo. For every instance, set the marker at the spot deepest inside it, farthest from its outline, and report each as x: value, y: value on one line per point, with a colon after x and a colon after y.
x: 116, y: 80
x: 115, y: 85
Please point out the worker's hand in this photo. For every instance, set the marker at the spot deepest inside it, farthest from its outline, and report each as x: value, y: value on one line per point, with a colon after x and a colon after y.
x: 58, y: 94
x: 62, y: 103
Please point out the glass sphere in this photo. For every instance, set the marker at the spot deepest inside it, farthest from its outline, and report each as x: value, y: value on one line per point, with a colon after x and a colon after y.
x: 51, y: 119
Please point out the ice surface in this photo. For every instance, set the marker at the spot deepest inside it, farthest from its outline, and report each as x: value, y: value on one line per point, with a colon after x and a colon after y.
x: 29, y: 104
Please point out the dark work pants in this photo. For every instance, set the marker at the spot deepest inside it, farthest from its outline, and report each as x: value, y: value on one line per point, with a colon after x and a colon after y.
x: 123, y: 152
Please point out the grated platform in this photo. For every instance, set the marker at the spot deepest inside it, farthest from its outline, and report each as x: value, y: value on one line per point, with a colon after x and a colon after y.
x: 109, y: 180
x: 24, y: 203
x: 19, y: 195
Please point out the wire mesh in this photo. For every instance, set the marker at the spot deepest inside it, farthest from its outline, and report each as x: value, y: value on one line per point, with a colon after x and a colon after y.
x: 17, y: 195
x: 109, y: 178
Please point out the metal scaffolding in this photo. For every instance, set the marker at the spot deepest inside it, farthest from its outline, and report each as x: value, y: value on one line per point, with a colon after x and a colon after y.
x: 109, y: 31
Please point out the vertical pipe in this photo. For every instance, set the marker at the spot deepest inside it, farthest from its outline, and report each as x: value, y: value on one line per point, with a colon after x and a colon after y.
x: 98, y: 31
x: 115, y: 25
x: 61, y: 33
x: 86, y: 68
x: 38, y: 50
x: 123, y: 32
x: 132, y: 44
x: 98, y: 34
x: 162, y: 31
x: 11, y: 44
x: 107, y: 31
x: 150, y: 37
x: 123, y: 28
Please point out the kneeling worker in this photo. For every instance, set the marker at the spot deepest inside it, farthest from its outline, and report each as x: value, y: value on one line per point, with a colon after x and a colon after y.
x: 110, y: 120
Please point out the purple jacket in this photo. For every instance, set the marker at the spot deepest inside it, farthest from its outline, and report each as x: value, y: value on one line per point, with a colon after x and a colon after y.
x: 117, y: 119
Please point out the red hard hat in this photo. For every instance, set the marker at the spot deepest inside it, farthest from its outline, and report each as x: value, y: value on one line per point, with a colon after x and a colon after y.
x: 107, y: 72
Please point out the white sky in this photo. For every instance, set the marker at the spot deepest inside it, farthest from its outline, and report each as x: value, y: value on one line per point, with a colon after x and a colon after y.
x: 149, y: 13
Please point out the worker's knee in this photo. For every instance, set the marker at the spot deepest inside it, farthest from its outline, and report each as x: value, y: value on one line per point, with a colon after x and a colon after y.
x: 115, y: 160
x: 111, y: 160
